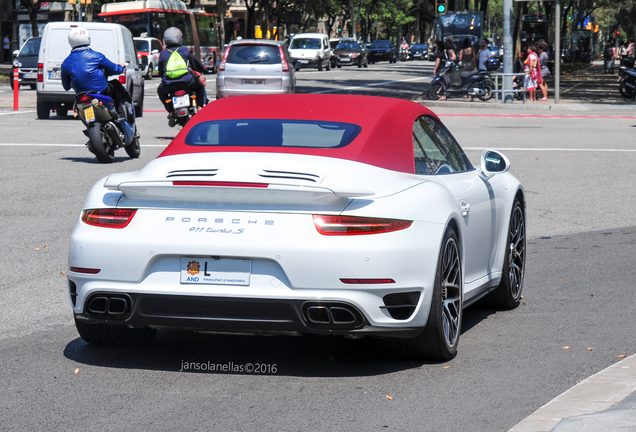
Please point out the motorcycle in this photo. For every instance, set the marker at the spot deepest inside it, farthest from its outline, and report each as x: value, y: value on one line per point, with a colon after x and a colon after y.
x: 185, y: 107
x: 107, y: 127
x: 404, y: 54
x: 627, y: 79
x: 453, y: 80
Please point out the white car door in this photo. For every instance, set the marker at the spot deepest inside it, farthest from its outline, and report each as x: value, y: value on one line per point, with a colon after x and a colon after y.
x: 480, y: 202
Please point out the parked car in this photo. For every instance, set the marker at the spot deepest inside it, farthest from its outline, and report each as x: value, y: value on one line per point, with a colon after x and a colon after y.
x: 350, y: 53
x: 301, y: 214
x: 150, y: 48
x: 26, y: 62
x: 418, y: 51
x: 382, y: 50
x: 255, y: 66
x: 310, y: 50
x: 113, y: 40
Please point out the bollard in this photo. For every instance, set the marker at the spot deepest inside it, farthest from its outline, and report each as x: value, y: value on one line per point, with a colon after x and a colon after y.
x: 16, y: 89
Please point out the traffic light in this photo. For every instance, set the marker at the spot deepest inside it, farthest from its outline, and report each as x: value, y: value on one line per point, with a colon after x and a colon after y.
x: 440, y: 6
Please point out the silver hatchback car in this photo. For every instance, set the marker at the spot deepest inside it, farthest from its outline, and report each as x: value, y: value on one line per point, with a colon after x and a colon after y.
x: 255, y: 66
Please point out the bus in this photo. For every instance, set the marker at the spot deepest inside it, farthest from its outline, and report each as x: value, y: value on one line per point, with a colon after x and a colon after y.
x: 151, y: 18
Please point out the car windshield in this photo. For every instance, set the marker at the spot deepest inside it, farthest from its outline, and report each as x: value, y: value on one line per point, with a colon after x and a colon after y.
x: 305, y: 43
x: 142, y: 45
x: 272, y: 133
x: 248, y: 54
x: 30, y: 47
x: 348, y: 46
x: 381, y: 44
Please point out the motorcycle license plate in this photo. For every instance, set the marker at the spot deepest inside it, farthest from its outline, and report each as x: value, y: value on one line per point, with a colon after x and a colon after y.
x: 181, y: 101
x: 89, y: 113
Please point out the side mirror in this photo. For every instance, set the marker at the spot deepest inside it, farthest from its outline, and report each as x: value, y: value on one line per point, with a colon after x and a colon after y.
x: 492, y: 163
x: 15, y: 53
x: 155, y: 51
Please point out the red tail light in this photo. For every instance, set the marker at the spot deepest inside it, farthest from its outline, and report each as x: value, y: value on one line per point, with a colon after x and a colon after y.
x: 283, y: 60
x: 84, y: 99
x: 179, y: 93
x: 40, y: 72
x: 352, y: 225
x: 222, y: 65
x: 122, y: 79
x: 108, y: 218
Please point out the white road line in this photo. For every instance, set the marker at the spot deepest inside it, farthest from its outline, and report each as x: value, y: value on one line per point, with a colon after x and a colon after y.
x: 63, y: 145
x: 369, y: 85
x: 16, y: 112
x: 552, y: 149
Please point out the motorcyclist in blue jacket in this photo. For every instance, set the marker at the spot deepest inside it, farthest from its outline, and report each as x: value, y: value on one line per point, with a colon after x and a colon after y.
x: 87, y: 70
x: 173, y: 40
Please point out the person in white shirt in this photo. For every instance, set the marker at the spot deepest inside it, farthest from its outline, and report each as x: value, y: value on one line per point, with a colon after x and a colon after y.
x: 484, y: 54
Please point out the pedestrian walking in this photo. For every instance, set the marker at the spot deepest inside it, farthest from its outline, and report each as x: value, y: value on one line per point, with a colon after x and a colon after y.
x: 532, y: 71
x: 466, y: 55
x: 631, y: 49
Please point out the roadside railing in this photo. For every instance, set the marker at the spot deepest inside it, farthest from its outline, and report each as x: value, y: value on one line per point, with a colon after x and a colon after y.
x: 503, y: 92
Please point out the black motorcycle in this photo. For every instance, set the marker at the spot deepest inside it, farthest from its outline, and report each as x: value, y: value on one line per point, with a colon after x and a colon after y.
x: 108, y: 127
x: 185, y: 107
x: 454, y: 80
x: 627, y: 78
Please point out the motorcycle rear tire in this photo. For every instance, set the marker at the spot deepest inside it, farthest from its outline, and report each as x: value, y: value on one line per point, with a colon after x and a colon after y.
x: 487, y: 87
x: 100, y: 144
x: 134, y: 149
x: 434, y: 92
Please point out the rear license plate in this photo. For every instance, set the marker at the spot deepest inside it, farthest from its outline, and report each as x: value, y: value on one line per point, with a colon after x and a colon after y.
x: 215, y: 271
x: 253, y: 82
x: 89, y: 113
x: 30, y: 75
x: 55, y: 75
x: 304, y: 61
x: 181, y: 101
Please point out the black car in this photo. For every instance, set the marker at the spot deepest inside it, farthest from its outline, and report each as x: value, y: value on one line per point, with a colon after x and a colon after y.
x: 350, y: 53
x: 382, y: 50
x: 26, y: 62
x: 418, y: 52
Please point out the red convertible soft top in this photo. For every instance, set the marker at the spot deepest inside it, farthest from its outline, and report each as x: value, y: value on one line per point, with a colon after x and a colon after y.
x: 385, y: 141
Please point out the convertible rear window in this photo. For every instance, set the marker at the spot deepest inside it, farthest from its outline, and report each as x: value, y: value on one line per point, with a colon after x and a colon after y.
x: 272, y: 133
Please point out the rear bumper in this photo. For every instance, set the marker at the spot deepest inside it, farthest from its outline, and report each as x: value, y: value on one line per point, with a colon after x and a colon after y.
x: 234, y: 315
x: 67, y: 98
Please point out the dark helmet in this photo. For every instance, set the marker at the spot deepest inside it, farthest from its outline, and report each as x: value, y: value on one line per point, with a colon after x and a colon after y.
x: 173, y: 37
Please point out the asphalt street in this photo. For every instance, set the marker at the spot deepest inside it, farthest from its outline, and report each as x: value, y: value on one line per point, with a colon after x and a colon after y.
x: 577, y: 317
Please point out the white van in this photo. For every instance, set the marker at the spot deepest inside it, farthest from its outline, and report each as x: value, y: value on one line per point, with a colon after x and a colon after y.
x: 113, y: 40
x: 310, y: 50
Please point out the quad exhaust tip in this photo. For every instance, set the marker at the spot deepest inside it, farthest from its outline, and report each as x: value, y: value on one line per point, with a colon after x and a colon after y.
x: 332, y: 315
x: 115, y: 306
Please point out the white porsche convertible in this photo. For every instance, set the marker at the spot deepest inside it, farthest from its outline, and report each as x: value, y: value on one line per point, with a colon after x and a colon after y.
x: 291, y: 214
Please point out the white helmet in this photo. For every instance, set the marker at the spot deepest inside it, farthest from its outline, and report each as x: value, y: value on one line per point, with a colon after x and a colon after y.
x: 79, y: 36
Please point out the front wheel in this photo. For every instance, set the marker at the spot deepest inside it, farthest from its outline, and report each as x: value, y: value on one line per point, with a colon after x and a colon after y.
x: 134, y: 149
x: 508, y: 293
x: 100, y: 144
x: 626, y: 92
x: 440, y: 337
x: 436, y: 91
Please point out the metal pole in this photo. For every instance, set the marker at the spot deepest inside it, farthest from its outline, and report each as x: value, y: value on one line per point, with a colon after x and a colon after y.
x: 79, y: 9
x: 557, y: 51
x: 508, y: 51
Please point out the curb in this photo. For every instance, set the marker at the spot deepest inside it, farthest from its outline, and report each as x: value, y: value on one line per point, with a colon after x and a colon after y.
x: 600, y: 392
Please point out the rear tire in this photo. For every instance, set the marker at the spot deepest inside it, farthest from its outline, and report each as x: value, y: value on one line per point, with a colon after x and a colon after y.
x: 320, y: 66
x: 100, y: 144
x: 508, y: 294
x: 139, y: 108
x: 105, y: 334
x: 150, y: 71
x: 440, y: 337
x: 43, y: 110
x: 488, y: 92
x: 625, y: 91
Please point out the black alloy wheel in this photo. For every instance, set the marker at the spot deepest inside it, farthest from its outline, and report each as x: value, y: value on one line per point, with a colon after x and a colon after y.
x: 508, y: 293
x: 435, y: 92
